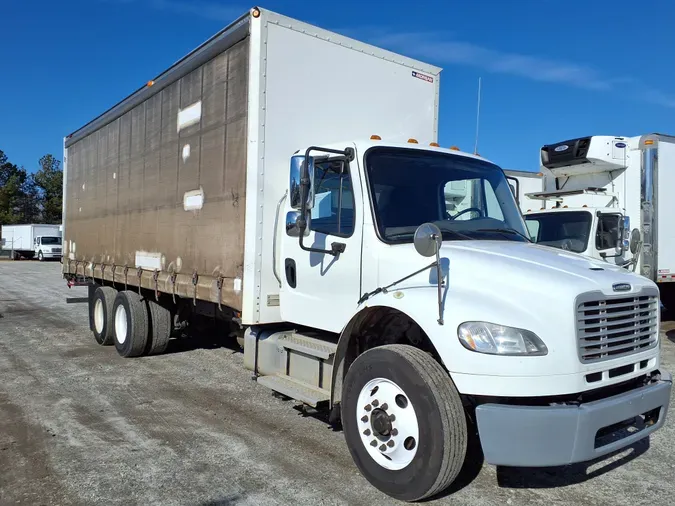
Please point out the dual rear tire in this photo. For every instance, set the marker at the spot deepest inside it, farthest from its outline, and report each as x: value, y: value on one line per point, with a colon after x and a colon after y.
x: 136, y: 326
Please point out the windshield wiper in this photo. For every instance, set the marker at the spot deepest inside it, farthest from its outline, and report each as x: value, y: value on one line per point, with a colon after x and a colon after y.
x: 505, y: 231
x: 443, y: 231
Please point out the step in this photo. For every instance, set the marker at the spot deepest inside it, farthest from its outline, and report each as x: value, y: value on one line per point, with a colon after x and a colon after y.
x: 295, y: 389
x: 308, y: 345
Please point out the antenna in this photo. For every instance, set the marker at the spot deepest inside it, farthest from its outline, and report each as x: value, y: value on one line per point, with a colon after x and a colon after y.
x: 475, y: 147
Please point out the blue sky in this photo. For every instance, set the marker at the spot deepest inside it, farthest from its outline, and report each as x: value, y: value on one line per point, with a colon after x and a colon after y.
x: 551, y: 70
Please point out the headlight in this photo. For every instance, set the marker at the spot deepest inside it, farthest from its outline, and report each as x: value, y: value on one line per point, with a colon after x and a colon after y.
x: 492, y: 339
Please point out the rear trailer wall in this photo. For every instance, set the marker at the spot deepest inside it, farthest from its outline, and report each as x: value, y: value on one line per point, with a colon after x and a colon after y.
x: 162, y: 187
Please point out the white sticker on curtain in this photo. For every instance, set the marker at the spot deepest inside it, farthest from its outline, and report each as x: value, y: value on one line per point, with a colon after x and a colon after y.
x: 190, y: 115
x: 193, y: 200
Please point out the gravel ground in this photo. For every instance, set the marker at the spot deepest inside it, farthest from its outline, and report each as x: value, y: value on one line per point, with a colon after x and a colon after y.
x: 80, y: 425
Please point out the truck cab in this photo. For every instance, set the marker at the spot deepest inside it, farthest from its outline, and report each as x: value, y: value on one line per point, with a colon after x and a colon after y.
x: 596, y: 232
x: 47, y: 247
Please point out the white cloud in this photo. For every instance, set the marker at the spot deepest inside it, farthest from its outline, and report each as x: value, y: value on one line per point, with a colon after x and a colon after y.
x: 443, y: 50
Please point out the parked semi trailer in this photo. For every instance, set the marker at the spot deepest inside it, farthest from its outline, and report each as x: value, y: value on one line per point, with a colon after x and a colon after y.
x: 608, y: 198
x: 287, y: 181
x: 32, y: 241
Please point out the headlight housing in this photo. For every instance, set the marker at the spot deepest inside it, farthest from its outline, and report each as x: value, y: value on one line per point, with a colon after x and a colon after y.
x: 492, y: 339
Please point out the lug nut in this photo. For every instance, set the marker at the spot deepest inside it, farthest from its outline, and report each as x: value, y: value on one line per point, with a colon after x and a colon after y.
x: 384, y: 406
x: 376, y: 403
x: 366, y: 432
x: 368, y: 407
x: 373, y: 443
x: 390, y: 444
x: 394, y: 432
x: 382, y: 448
x: 392, y: 418
x: 364, y: 418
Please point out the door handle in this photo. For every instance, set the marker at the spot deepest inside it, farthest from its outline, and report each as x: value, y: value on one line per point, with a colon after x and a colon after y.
x: 291, y: 273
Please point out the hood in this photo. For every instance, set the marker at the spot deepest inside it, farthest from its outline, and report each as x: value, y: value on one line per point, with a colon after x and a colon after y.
x: 504, y: 264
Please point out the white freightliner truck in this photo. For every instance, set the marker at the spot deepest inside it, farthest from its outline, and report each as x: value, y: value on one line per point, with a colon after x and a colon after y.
x: 32, y: 241
x: 286, y: 181
x: 607, y: 197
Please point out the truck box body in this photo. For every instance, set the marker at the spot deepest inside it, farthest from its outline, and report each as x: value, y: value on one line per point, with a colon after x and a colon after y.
x: 21, y: 238
x: 176, y: 187
x: 528, y: 182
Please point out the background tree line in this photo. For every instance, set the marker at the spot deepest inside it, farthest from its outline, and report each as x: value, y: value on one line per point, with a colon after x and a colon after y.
x: 30, y: 198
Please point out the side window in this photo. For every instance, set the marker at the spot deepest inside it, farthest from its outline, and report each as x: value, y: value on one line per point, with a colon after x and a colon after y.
x: 462, y: 195
x: 333, y: 211
x: 608, y: 231
x: 494, y: 210
x: 532, y: 229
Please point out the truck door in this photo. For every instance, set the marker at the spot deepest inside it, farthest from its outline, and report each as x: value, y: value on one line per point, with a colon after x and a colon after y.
x: 320, y: 289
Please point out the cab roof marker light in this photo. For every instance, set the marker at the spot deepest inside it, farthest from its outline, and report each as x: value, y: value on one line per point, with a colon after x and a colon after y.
x: 255, y: 12
x: 454, y: 148
x: 649, y: 142
x: 375, y: 138
x: 434, y: 145
x: 412, y: 141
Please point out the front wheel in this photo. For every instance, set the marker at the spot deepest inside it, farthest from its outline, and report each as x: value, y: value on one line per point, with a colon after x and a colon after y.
x: 404, y: 422
x: 41, y: 257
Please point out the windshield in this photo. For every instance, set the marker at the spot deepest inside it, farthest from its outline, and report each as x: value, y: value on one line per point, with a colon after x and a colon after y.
x: 50, y: 240
x: 467, y: 198
x: 567, y: 230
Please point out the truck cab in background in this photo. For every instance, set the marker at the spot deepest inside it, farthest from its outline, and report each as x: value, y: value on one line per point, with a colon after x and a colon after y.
x: 47, y: 247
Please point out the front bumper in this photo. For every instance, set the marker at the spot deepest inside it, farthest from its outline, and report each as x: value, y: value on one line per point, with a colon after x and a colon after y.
x: 541, y: 436
x: 51, y: 255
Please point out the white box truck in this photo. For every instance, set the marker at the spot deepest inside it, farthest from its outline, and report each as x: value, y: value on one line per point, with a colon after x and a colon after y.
x: 286, y: 181
x: 32, y: 241
x: 523, y: 184
x: 607, y: 197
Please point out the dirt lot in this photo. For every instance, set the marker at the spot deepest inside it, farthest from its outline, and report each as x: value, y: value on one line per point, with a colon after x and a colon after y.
x: 80, y: 425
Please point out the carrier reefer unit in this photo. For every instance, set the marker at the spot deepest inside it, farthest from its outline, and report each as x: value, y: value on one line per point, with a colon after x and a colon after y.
x: 286, y: 181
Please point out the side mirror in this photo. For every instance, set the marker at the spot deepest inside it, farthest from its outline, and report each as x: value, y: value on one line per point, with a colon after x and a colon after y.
x: 624, y: 234
x: 295, y: 189
x: 428, y: 239
x: 292, y: 228
x: 635, y: 240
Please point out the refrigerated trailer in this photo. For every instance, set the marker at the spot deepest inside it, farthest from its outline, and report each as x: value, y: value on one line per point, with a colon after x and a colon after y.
x: 32, y: 241
x: 608, y: 198
x: 287, y: 182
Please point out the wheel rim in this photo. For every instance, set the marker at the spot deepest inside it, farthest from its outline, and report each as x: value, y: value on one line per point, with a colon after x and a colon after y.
x: 120, y: 324
x: 387, y: 424
x: 98, y: 316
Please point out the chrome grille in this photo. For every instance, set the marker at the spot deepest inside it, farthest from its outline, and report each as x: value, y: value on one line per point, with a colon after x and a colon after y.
x: 609, y: 328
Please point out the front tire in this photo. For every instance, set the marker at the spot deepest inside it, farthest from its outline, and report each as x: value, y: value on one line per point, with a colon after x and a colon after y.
x: 130, y: 324
x: 41, y: 257
x: 404, y: 422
